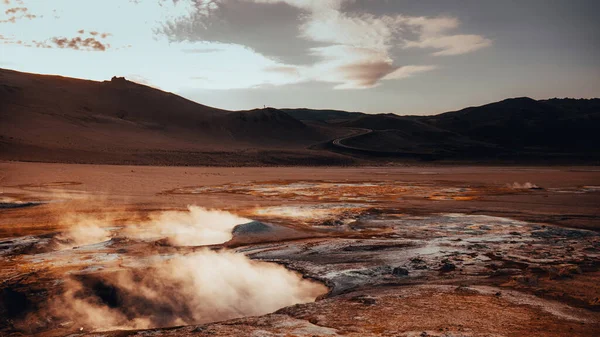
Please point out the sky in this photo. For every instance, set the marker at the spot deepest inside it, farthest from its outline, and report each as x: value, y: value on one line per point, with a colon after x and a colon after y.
x: 410, y: 57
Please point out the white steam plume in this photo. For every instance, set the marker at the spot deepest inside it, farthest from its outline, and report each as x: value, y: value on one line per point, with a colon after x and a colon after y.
x: 201, y: 287
x: 196, y: 227
x: 525, y: 186
x: 83, y: 230
x: 171, y: 290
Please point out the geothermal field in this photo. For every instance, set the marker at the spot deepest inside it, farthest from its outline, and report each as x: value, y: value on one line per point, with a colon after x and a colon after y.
x: 100, y: 250
x: 299, y: 168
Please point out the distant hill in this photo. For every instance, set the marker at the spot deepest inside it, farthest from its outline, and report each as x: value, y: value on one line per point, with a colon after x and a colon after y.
x: 52, y: 118
x: 327, y: 116
x: 406, y: 135
x: 58, y: 119
x: 526, y: 124
x: 513, y: 128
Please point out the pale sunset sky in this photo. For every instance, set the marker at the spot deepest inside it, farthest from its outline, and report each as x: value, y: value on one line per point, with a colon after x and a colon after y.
x: 400, y: 56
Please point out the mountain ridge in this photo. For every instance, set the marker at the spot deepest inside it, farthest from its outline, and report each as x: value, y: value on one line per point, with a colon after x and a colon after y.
x: 58, y: 119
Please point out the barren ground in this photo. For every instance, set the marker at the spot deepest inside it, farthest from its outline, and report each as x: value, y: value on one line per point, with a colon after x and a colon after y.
x: 402, y: 251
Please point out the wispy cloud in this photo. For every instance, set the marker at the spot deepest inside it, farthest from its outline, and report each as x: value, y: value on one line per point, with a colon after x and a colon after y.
x: 288, y: 70
x: 15, y: 10
x: 291, y: 41
x: 355, y: 49
x: 78, y: 43
x: 16, y: 13
x: 358, y: 50
x: 433, y: 33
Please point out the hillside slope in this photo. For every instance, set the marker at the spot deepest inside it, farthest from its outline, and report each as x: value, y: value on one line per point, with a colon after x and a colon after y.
x: 400, y: 134
x: 57, y: 119
x: 518, y: 128
x: 321, y: 115
x: 52, y: 118
x: 527, y: 124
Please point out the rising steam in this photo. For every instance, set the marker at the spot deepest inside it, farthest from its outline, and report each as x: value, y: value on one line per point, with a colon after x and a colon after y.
x: 525, y: 186
x: 202, y: 287
x: 171, y: 290
x: 196, y: 227
x: 83, y: 230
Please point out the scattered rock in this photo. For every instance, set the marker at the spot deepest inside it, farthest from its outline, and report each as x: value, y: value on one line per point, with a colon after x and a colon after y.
x: 528, y: 280
x: 199, y: 329
x: 563, y: 233
x: 253, y: 227
x: 399, y: 271
x: 163, y: 243
x: 66, y: 324
x: 18, y: 204
x: 563, y: 271
x: 506, y: 272
x: 332, y: 222
x: 465, y: 289
x: 376, y: 271
x: 364, y: 299
x: 447, y: 267
x: 418, y: 263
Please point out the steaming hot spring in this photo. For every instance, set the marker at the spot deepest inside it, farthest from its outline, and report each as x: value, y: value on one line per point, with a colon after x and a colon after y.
x: 170, y: 270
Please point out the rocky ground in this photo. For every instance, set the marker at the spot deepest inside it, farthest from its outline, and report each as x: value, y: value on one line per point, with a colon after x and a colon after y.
x: 401, y: 251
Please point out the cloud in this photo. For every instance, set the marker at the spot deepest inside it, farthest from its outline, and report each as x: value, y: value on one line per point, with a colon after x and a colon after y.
x: 17, y: 13
x: 13, y: 41
x: 453, y: 45
x: 360, y: 68
x: 249, y: 43
x: 15, y: 10
x: 355, y: 48
x: 408, y: 71
x: 94, y: 33
x: 287, y: 70
x: 359, y: 55
x: 433, y: 34
x: 79, y: 43
x: 291, y: 41
x: 271, y: 29
x: 364, y: 75
x: 367, y: 75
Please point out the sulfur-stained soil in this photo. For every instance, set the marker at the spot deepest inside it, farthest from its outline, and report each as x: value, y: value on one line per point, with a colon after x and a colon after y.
x: 400, y: 251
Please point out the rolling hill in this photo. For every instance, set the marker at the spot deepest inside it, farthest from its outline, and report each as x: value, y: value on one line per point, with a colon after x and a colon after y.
x: 527, y: 124
x: 52, y: 118
x: 516, y: 129
x: 58, y: 119
x: 406, y: 135
x: 326, y: 116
